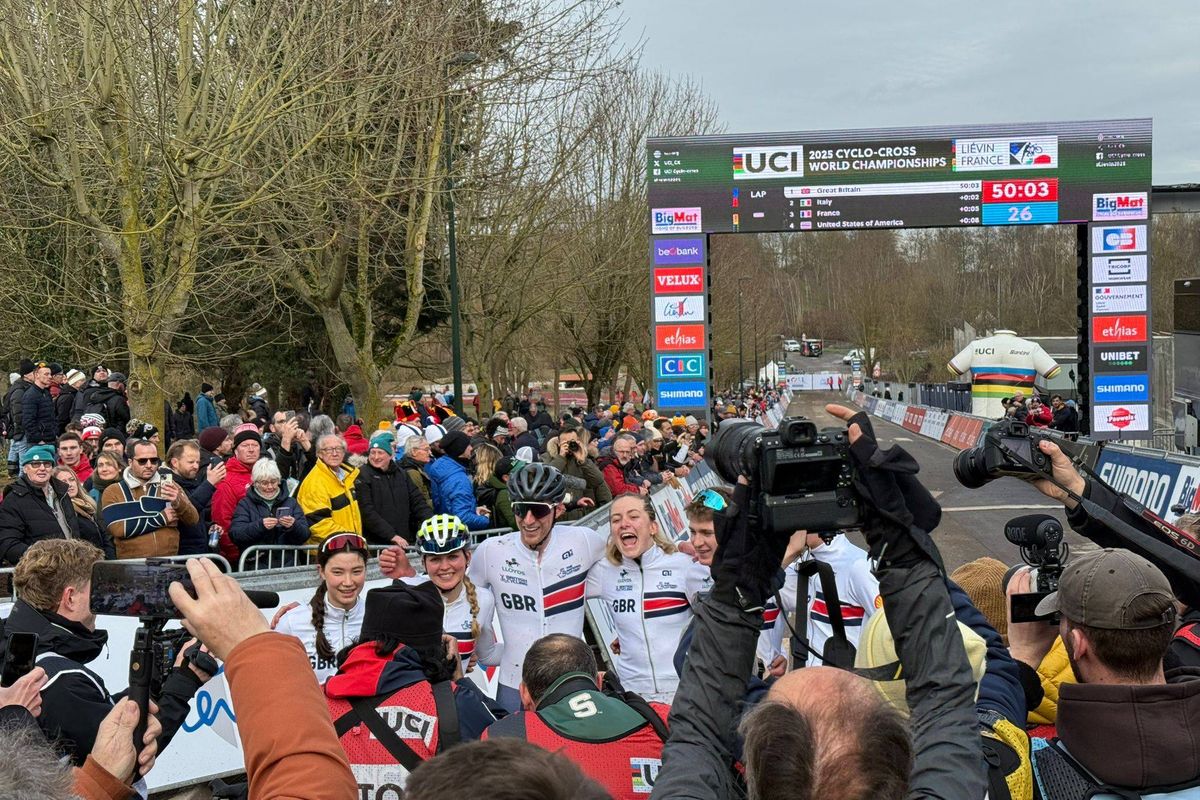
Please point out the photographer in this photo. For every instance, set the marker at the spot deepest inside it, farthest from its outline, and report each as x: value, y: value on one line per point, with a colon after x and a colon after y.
x: 573, y: 460
x: 54, y: 583
x: 794, y: 745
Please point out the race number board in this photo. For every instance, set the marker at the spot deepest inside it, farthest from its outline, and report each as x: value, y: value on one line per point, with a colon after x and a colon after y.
x: 1094, y: 174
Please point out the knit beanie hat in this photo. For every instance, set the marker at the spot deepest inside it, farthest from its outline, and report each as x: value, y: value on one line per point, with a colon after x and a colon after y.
x: 211, y: 438
x: 26, y: 366
x: 40, y: 453
x: 454, y: 423
x: 630, y: 424
x: 142, y: 430
x: 385, y: 441
x: 413, y: 614
x: 90, y: 432
x: 434, y: 433
x: 246, y: 432
x: 983, y: 581
x: 111, y: 433
x: 455, y: 443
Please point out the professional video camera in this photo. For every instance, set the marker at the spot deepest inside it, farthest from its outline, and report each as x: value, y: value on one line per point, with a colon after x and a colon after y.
x: 802, y: 475
x: 1040, y: 537
x: 1009, y: 448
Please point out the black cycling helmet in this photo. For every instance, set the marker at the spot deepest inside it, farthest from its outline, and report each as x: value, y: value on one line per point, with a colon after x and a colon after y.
x: 537, y: 483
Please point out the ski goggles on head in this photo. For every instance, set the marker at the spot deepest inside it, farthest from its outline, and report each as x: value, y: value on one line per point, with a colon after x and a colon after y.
x: 343, y: 541
x: 539, y: 510
x: 713, y: 500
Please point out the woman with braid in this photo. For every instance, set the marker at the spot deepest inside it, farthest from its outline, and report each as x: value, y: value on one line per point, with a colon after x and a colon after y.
x: 333, y: 618
x: 442, y: 541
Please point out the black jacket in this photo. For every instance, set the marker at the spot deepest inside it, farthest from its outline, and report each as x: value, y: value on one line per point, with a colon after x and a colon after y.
x: 527, y: 439
x: 193, y: 539
x: 37, y: 415
x: 82, y: 397
x: 293, y: 462
x: 112, y: 404
x: 390, y: 503
x: 13, y: 408
x: 25, y: 518
x: 1066, y: 419
x: 75, y: 700
x: 63, y: 405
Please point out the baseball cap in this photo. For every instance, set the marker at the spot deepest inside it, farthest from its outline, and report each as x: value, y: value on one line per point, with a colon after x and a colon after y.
x: 1096, y: 590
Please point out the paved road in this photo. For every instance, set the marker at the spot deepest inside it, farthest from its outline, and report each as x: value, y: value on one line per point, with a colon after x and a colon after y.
x: 972, y: 519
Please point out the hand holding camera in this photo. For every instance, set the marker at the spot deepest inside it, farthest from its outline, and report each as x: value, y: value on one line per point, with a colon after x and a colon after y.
x: 115, y: 748
x: 220, y: 615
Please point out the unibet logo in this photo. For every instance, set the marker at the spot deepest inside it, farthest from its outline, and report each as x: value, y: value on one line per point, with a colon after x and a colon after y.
x: 752, y: 163
x: 1120, y: 357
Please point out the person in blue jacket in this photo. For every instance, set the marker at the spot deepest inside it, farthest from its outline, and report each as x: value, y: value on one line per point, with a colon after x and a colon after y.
x: 206, y: 411
x: 450, y: 482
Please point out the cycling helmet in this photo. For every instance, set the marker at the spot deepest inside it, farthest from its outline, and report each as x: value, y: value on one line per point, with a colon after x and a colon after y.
x: 441, y: 533
x: 537, y: 483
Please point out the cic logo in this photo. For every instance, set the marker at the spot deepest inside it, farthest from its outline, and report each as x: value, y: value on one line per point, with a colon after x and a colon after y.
x: 688, y: 365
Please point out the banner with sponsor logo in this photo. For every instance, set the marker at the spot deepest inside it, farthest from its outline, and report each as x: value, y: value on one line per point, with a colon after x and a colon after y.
x: 962, y: 432
x: 679, y: 314
x: 913, y: 419
x: 816, y: 382
x: 1148, y: 480
x: 934, y: 423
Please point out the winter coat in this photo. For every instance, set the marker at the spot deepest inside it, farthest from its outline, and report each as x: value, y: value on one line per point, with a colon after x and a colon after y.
x: 1053, y: 672
x: 138, y: 529
x: 75, y: 699
x: 390, y: 504
x: 328, y: 501
x: 230, y: 491
x: 37, y: 416
x: 494, y: 494
x: 206, y: 413
x: 453, y: 492
x: 597, y: 488
x: 416, y: 474
x: 616, y: 478
x: 1066, y: 419
x: 248, y: 528
x: 112, y: 404
x: 193, y: 538
x: 26, y: 517
x: 81, y: 399
x: 356, y: 443
x: 63, y: 405
x: 183, y: 425
x: 13, y: 407
x: 92, y: 531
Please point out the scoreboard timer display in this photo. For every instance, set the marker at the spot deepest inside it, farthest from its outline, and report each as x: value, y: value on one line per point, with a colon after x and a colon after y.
x: 1094, y: 175
x: 1033, y: 174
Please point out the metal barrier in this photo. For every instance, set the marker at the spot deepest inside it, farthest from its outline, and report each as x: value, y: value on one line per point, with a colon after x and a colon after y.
x: 283, y: 556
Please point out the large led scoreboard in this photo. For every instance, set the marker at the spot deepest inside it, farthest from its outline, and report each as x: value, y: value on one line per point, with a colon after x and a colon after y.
x: 1095, y: 175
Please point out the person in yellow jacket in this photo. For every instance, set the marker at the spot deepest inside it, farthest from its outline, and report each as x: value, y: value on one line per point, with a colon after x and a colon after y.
x: 1053, y: 671
x: 327, y: 493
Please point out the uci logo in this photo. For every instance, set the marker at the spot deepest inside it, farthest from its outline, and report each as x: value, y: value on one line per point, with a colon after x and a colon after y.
x: 786, y: 161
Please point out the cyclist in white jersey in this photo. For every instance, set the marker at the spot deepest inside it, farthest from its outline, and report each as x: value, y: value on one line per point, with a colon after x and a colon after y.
x: 470, y: 610
x: 644, y: 581
x: 537, y: 573
x: 333, y: 618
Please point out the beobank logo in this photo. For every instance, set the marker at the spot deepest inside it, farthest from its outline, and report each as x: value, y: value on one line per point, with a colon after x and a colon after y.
x: 679, y: 280
x: 678, y: 337
x: 675, y: 220
x: 1128, y: 328
x: 678, y: 251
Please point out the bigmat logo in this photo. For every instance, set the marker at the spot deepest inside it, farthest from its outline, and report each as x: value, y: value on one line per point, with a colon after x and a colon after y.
x: 678, y: 251
x: 783, y: 161
x: 679, y: 280
x: 1132, y: 205
x: 675, y: 220
x: 678, y: 337
x: 685, y: 365
x: 1124, y: 239
x: 1126, y: 328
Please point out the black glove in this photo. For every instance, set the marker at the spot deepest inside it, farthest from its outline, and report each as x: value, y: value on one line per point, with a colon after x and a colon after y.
x: 746, y: 565
x: 899, y: 511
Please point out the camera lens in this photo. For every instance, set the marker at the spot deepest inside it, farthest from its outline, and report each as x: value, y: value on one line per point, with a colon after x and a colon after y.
x: 970, y: 469
x: 731, y: 452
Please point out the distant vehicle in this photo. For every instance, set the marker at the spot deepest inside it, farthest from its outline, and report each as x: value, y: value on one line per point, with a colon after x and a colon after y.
x: 856, y: 354
x: 791, y: 345
x: 812, y: 348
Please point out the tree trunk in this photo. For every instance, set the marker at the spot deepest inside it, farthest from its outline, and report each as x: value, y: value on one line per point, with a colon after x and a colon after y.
x: 360, y: 374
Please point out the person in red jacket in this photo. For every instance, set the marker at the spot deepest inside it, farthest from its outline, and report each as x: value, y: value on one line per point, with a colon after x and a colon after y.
x: 1039, y: 414
x: 614, y: 467
x: 356, y: 442
x: 247, y: 447
x: 617, y: 740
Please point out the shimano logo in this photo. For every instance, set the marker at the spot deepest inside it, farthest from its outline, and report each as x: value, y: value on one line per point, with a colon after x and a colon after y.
x: 1151, y: 489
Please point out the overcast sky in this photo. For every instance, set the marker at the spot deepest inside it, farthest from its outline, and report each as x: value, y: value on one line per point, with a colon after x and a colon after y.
x: 773, y: 65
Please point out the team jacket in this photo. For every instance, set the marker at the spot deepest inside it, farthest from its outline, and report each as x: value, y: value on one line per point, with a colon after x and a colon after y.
x: 649, y: 603
x: 537, y: 594
x: 341, y: 629
x: 858, y: 591
x: 401, y: 695
x: 457, y: 623
x: 613, y: 744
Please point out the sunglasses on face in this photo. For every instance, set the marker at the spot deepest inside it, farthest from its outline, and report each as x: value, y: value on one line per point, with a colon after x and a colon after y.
x: 539, y: 510
x: 150, y: 460
x: 712, y: 500
x: 343, y: 541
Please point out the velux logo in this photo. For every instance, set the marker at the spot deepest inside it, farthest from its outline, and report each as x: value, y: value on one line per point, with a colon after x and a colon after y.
x: 679, y: 280
x: 785, y: 161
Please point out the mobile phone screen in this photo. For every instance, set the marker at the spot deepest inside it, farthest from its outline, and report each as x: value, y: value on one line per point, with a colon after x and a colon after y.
x: 137, y: 590
x: 19, y: 654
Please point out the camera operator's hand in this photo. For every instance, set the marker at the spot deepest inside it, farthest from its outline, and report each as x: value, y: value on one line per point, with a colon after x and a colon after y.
x: 745, y: 568
x: 181, y: 657
x: 26, y: 691
x: 1027, y: 641
x: 113, y: 749
x: 221, y: 615
x: 1064, y: 472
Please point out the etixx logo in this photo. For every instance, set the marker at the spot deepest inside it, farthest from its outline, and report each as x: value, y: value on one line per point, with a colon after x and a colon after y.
x: 753, y: 163
x: 675, y: 220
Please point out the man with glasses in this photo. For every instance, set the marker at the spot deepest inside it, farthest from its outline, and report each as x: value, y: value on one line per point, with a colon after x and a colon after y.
x: 618, y: 468
x: 327, y: 493
x: 538, y: 573
x: 144, y: 509
x: 36, y: 507
x: 287, y: 444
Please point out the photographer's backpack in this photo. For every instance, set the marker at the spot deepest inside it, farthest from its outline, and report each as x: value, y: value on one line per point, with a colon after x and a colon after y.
x: 1059, y: 776
x: 838, y: 651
